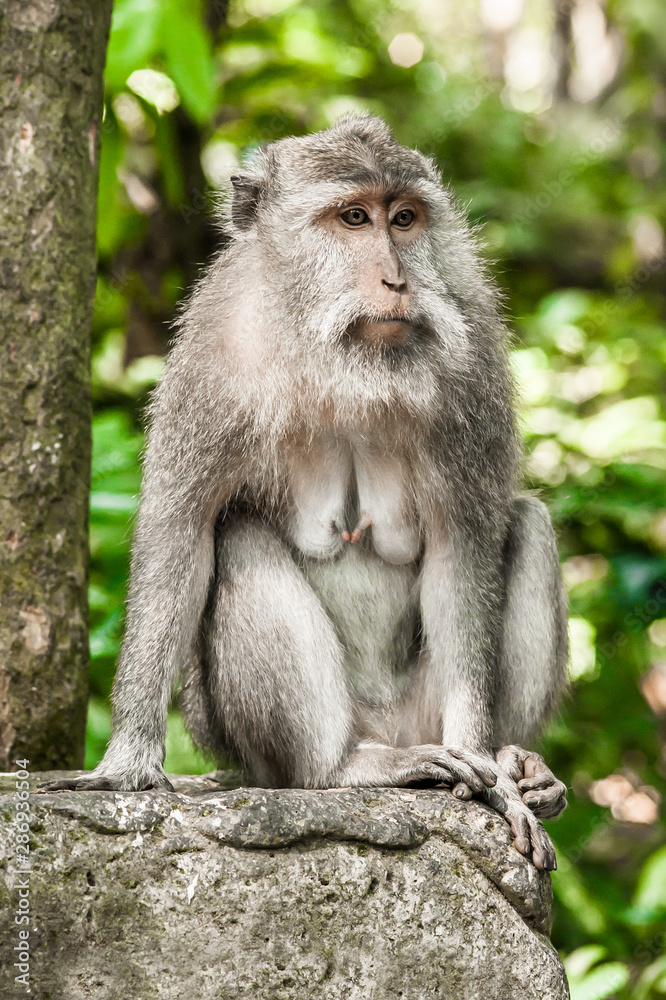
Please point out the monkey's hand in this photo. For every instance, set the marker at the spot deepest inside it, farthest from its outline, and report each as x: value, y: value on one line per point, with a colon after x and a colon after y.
x: 379, y: 766
x: 541, y: 790
x: 450, y: 766
x: 100, y: 782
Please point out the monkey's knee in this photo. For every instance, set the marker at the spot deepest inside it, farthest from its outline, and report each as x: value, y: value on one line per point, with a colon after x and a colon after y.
x: 276, y: 665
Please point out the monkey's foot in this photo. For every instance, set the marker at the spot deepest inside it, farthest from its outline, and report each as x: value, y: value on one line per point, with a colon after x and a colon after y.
x: 105, y: 783
x: 540, y: 789
x: 528, y: 833
x: 364, y: 521
x: 530, y: 837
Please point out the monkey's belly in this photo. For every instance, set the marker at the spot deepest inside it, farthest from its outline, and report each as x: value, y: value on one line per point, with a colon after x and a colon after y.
x: 339, y: 485
x: 374, y: 608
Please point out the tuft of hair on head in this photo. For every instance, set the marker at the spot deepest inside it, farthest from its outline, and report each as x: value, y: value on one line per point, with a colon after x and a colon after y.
x: 365, y: 126
x: 359, y: 147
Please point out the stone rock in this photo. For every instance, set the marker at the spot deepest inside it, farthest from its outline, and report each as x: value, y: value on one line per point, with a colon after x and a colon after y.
x: 220, y: 892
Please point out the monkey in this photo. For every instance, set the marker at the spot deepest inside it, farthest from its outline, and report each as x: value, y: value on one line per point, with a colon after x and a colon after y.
x: 332, y: 548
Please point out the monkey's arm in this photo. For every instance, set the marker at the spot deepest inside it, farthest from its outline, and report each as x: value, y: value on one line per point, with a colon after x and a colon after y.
x: 461, y: 612
x: 530, y: 671
x: 172, y: 562
x: 456, y: 596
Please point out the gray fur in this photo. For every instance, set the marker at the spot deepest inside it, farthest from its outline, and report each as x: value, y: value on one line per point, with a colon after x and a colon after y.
x: 405, y: 657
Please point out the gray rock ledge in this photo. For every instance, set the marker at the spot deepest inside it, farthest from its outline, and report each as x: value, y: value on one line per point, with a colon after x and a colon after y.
x: 221, y: 892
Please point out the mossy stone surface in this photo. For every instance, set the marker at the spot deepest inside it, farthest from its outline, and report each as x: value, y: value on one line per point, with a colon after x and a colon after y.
x: 222, y: 893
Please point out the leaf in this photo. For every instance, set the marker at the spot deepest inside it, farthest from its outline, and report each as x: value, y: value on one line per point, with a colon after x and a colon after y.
x: 110, y: 221
x: 580, y: 961
x: 602, y: 982
x: 133, y: 40
x: 112, y: 503
x: 187, y: 48
x: 651, y: 890
x: 637, y: 574
x: 570, y: 889
x: 652, y: 977
x: 166, y: 143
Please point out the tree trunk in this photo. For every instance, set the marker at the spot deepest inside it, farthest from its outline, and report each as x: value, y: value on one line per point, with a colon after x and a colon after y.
x: 51, y: 66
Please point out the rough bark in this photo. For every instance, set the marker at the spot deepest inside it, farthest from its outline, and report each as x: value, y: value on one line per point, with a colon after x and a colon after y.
x: 51, y: 67
x: 258, y: 894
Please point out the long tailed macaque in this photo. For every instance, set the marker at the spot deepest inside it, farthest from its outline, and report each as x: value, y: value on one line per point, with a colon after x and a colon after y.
x: 331, y: 546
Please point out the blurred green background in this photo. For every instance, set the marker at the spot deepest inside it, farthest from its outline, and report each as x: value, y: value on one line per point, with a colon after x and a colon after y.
x: 550, y: 123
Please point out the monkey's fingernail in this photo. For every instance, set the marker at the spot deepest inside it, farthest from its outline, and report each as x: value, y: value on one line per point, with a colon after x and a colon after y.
x: 531, y: 801
x: 346, y: 537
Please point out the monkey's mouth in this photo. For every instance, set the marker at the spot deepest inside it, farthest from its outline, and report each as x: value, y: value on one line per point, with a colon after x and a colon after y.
x: 391, y: 331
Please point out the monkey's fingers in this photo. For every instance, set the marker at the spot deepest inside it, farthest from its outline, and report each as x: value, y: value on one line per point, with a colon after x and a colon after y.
x: 463, y: 791
x: 543, y: 852
x: 511, y: 759
x: 521, y: 832
x: 479, y: 764
x: 62, y: 785
x: 434, y: 772
x: 541, y: 790
x: 534, y: 766
x: 531, y: 838
x: 101, y: 783
x: 538, y: 781
x: 162, y: 783
x: 88, y: 784
x: 537, y: 774
x: 466, y: 774
x: 547, y: 803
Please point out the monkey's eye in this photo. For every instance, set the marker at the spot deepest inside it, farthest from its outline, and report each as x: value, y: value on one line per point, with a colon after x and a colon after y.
x: 404, y: 218
x: 355, y: 216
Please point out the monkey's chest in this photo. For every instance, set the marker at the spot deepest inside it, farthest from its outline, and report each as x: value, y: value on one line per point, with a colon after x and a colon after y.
x: 344, y: 493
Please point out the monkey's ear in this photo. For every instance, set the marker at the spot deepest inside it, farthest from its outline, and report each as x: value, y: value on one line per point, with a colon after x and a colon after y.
x: 245, y: 200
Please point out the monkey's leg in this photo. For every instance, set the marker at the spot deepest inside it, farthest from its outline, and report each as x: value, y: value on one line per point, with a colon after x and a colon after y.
x: 277, y: 680
x: 528, y: 669
x: 170, y: 603
x: 534, y: 645
x: 276, y: 667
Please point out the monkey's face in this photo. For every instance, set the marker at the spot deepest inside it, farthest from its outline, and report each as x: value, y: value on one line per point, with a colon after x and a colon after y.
x: 358, y: 254
x: 372, y: 233
x: 350, y: 261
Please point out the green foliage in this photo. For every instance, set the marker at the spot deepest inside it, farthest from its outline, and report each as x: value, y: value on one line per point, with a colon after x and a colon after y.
x: 589, y: 981
x: 569, y: 198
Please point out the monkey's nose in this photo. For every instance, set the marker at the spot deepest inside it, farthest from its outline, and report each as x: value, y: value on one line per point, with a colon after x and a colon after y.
x: 397, y: 285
